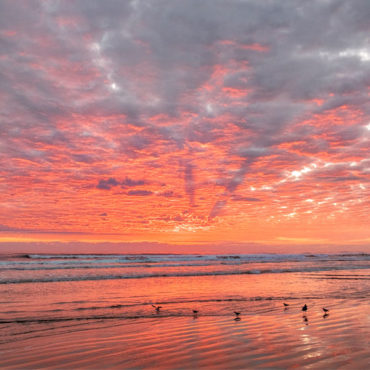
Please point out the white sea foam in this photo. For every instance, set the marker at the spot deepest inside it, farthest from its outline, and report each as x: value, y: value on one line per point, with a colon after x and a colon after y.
x: 161, y: 274
x: 38, y: 268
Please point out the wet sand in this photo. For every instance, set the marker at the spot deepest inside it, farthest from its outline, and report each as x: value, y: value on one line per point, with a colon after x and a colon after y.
x: 280, y: 338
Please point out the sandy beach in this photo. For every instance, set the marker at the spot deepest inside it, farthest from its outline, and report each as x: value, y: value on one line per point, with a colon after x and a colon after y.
x: 280, y: 339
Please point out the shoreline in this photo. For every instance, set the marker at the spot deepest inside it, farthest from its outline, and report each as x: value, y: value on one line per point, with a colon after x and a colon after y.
x: 278, y: 339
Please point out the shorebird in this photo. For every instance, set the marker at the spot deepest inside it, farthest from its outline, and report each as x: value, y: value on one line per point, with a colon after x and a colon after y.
x: 304, y: 308
x: 325, y: 310
x: 237, y: 318
x: 285, y: 304
x: 195, y: 312
x: 157, y: 308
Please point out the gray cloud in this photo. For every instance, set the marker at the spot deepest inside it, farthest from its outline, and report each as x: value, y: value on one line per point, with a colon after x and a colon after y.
x: 107, y: 184
x: 216, y: 209
x: 169, y: 194
x: 190, y: 182
x: 127, y: 182
x: 245, y: 199
x: 141, y: 193
x: 90, y: 82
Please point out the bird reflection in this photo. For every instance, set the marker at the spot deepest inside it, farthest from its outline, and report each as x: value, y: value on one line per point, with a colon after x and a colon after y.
x: 305, y: 319
x: 326, y: 312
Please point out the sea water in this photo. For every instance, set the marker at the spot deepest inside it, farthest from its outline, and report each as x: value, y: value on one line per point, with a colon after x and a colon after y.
x: 40, y: 293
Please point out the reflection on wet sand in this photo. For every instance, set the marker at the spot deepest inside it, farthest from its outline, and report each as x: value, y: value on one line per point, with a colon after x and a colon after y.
x: 270, y: 340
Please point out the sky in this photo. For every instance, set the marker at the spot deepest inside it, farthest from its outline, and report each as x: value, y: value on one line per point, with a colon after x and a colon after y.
x: 185, y: 123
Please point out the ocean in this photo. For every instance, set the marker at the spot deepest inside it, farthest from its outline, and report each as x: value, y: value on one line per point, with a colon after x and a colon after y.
x: 45, y: 294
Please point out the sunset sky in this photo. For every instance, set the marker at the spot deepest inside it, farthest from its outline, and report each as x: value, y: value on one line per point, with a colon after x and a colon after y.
x: 185, y: 123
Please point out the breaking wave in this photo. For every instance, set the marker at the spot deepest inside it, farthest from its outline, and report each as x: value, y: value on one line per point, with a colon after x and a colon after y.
x: 49, y: 279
